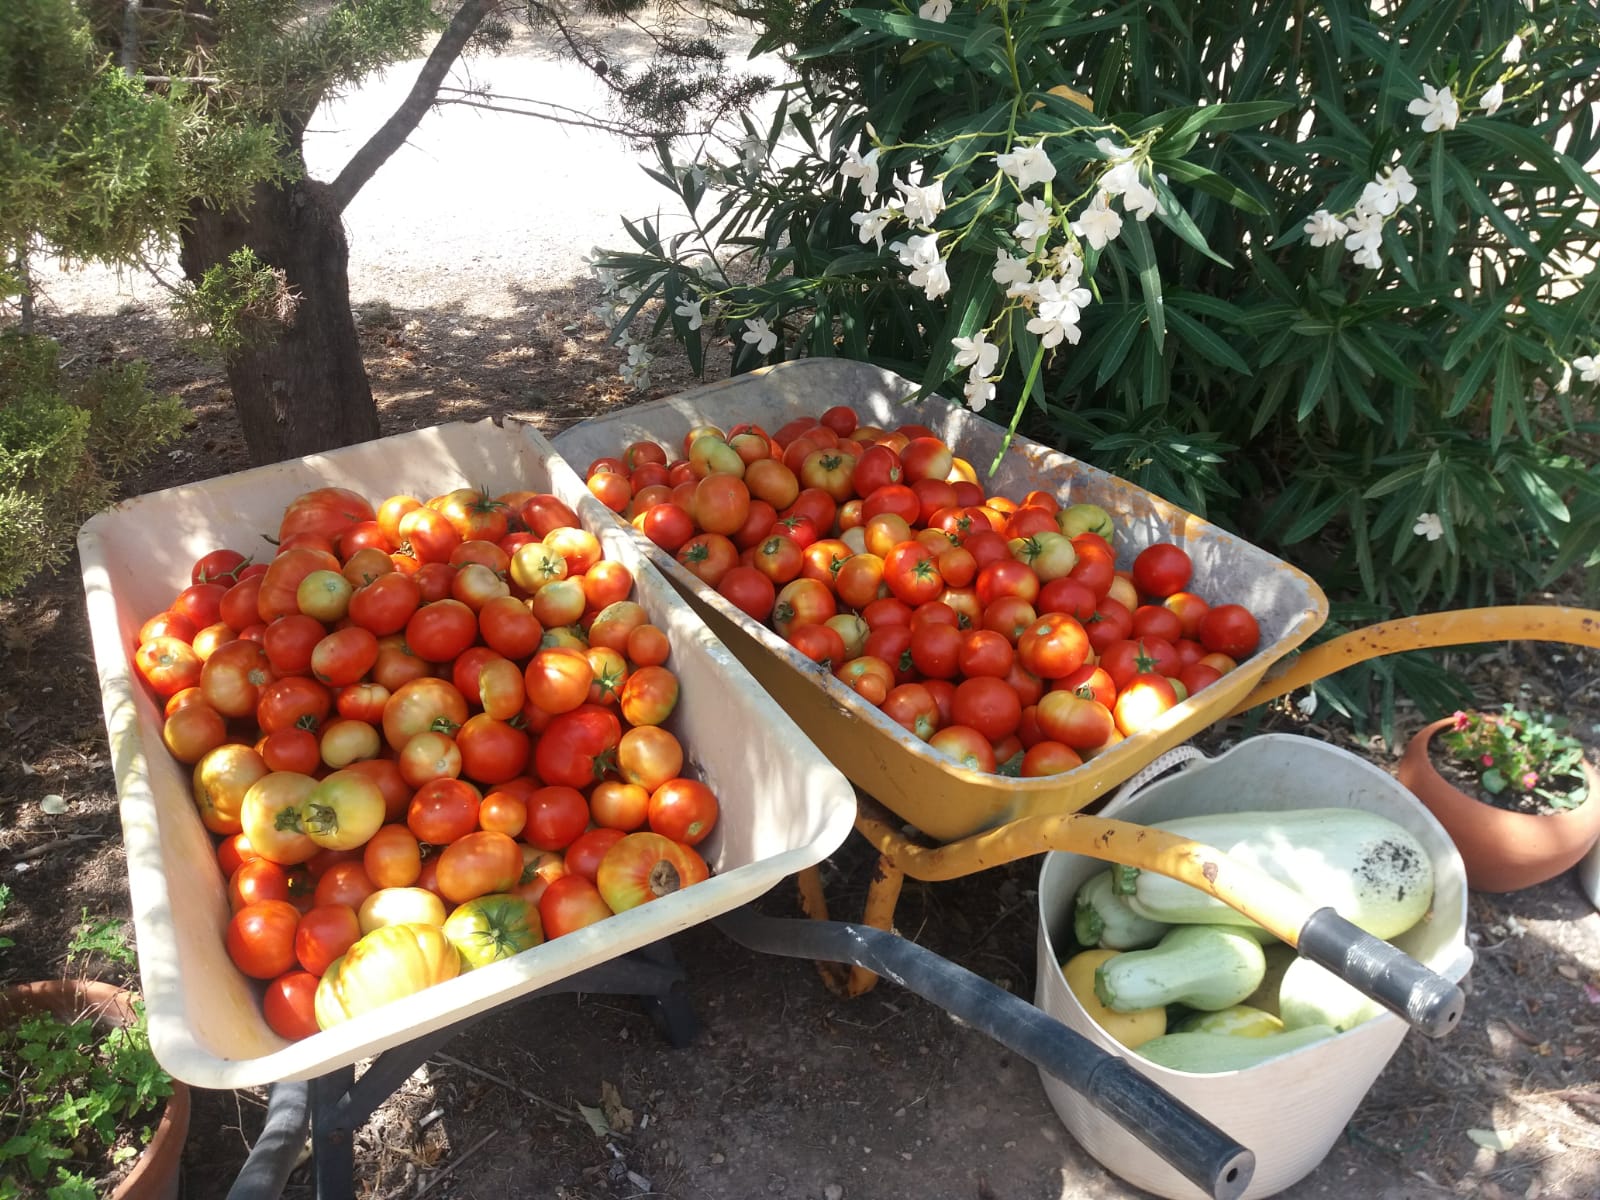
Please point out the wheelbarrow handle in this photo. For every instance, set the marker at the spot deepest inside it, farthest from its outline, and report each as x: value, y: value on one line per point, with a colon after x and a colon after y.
x: 1193, y: 1146
x: 1376, y: 969
x: 1457, y: 627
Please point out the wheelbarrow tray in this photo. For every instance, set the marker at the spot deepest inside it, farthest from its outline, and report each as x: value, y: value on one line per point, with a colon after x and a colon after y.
x: 783, y: 806
x: 946, y: 801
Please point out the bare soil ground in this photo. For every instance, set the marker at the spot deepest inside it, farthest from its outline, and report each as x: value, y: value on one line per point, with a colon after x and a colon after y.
x: 787, y: 1090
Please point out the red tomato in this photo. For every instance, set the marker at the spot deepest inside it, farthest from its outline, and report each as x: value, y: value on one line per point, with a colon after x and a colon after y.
x: 1111, y: 622
x: 386, y: 604
x: 168, y: 665
x: 988, y: 705
x: 708, y: 556
x: 260, y: 938
x: 936, y: 649
x: 492, y: 751
x: 577, y: 748
x: 1053, y: 646
x: 324, y: 933
x: 1155, y: 620
x: 392, y: 857
x: 869, y: 677
x: 912, y: 706
x: 477, y: 865
x: 641, y: 867
x: 1161, y: 569
x: 1230, y: 629
x: 750, y: 590
x: 1127, y: 657
x: 984, y: 653
x: 344, y: 656
x: 649, y: 696
x: 443, y: 811
x: 966, y: 746
x: 570, y: 903
x: 584, y: 853
x: 1074, y: 720
x: 289, y: 1005
x: 439, y: 631
x: 1141, y: 703
x: 234, y: 676
x: 684, y: 810
x: 912, y: 574
x: 1049, y: 758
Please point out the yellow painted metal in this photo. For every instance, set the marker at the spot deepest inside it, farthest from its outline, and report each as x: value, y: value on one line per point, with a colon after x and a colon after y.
x: 1459, y: 627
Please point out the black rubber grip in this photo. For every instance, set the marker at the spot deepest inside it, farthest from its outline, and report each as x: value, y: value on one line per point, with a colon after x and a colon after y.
x: 1386, y: 973
x: 1137, y: 1103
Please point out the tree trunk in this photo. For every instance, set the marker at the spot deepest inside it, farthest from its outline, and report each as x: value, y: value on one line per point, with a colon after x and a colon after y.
x: 306, y: 390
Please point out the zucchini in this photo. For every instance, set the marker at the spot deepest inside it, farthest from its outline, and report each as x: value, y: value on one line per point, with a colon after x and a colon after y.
x: 1239, y: 1021
x: 1102, y: 918
x: 1209, y: 1053
x: 1265, y: 997
x: 1372, y: 871
x: 1202, y: 966
x: 1313, y: 995
x: 1128, y: 1028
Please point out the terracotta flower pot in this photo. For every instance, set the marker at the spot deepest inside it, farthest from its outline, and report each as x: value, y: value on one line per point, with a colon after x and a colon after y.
x: 155, y: 1173
x: 1503, y: 851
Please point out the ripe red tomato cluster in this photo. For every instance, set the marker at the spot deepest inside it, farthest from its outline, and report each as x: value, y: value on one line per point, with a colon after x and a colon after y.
x: 427, y: 735
x: 999, y: 631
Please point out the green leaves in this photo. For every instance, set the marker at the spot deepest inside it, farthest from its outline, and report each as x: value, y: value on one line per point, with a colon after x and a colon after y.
x: 1319, y: 404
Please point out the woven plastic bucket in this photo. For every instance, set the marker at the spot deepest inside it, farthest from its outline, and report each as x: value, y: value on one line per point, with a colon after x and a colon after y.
x: 1289, y: 1110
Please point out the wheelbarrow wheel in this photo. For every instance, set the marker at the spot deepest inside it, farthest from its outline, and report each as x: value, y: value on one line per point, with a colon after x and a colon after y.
x: 673, y: 1016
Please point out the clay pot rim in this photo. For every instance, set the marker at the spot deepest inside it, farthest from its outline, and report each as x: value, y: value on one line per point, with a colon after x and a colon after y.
x: 1424, y: 738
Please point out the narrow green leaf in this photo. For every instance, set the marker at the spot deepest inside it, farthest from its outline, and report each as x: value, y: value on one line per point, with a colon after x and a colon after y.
x: 1315, y: 388
x: 1207, y: 342
x: 972, y: 295
x: 1144, y: 257
x: 1116, y: 341
x: 1210, y: 183
x: 1471, y: 381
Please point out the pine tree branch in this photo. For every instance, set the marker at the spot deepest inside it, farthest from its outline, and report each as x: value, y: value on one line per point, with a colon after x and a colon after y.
x: 393, y: 133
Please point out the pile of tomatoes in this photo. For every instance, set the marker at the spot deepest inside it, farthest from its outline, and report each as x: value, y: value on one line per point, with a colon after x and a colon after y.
x: 999, y: 631
x: 428, y: 736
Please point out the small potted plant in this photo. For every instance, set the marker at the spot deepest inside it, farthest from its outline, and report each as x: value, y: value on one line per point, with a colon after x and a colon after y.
x: 86, y: 1109
x: 1514, y: 791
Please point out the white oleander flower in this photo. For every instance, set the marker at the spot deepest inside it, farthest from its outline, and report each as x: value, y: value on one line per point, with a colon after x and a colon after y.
x: 1111, y: 150
x: 1010, y: 269
x: 1391, y: 188
x: 1123, y: 180
x: 1323, y: 228
x: 928, y: 270
x: 758, y: 334
x: 935, y: 10
x: 1513, y: 50
x: 1493, y: 99
x: 1033, y: 223
x: 863, y: 168
x: 1588, y: 368
x: 1307, y: 704
x: 1060, y: 309
x: 1438, y: 109
x: 693, y: 310
x: 978, y: 391
x: 1098, y: 224
x: 870, y: 224
x: 922, y: 205
x: 1028, y: 166
x: 1429, y: 526
x: 977, y: 352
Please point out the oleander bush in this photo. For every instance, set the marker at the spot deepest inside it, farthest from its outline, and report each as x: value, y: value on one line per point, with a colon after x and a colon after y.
x: 1319, y: 271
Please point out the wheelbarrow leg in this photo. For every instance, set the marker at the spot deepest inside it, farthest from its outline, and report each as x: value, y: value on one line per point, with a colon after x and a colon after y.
x: 883, y: 894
